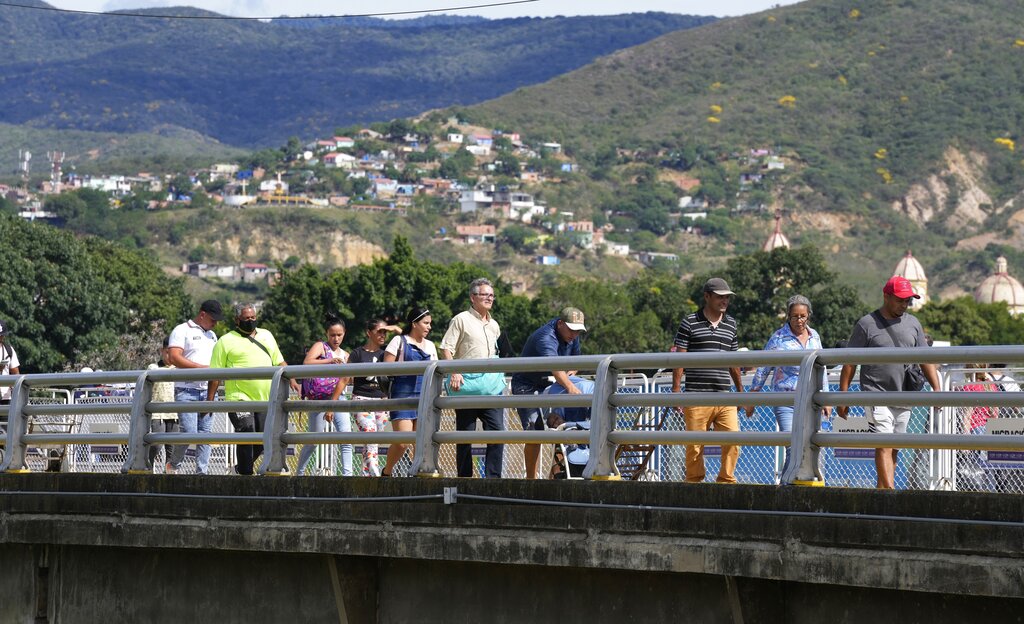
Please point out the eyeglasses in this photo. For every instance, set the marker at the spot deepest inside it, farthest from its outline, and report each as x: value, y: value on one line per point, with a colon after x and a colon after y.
x: 799, y: 317
x: 485, y: 295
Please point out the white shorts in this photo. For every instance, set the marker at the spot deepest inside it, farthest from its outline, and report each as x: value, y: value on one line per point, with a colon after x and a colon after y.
x: 888, y: 419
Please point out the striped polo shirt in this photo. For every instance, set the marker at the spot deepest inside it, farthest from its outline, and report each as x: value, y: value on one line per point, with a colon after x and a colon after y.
x: 697, y: 334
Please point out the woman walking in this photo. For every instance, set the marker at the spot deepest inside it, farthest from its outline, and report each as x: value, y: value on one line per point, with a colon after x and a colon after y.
x: 795, y: 335
x: 366, y: 388
x: 412, y: 346
x: 327, y: 351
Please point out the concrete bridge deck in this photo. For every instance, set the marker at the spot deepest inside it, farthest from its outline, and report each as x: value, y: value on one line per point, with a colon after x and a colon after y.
x: 79, y: 548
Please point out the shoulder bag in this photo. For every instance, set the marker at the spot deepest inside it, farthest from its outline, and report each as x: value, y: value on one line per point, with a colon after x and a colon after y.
x: 320, y: 388
x: 913, y: 376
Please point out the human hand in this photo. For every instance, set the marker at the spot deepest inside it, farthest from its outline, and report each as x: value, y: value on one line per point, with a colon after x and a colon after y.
x: 749, y: 410
x: 455, y: 382
x: 841, y: 411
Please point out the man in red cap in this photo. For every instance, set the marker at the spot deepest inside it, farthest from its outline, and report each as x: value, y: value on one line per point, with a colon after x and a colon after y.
x: 888, y: 326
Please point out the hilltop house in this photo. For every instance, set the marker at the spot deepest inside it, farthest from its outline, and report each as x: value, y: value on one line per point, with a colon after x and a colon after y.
x: 340, y: 160
x: 223, y: 170
x: 475, y: 234
x: 202, y: 269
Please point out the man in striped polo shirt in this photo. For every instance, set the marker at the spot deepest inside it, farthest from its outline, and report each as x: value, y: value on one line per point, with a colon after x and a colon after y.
x: 709, y: 329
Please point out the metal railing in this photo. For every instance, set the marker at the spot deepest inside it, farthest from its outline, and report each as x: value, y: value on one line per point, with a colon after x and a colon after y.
x: 805, y: 441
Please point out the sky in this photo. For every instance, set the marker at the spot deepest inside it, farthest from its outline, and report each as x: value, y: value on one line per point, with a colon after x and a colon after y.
x: 537, y: 8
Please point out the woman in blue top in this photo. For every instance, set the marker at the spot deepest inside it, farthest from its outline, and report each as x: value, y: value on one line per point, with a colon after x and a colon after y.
x: 412, y: 346
x: 795, y: 335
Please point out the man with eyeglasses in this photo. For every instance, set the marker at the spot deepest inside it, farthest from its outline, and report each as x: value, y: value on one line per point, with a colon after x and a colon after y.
x: 888, y: 326
x: 473, y: 334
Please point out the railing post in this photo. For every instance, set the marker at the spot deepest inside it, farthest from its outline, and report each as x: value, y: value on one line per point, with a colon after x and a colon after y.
x: 139, y: 422
x: 804, y: 468
x: 17, y: 423
x: 601, y: 466
x: 424, y: 459
x: 275, y: 451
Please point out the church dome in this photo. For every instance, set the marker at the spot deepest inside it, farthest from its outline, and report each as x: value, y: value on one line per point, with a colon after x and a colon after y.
x: 910, y: 268
x: 777, y: 239
x: 1000, y: 286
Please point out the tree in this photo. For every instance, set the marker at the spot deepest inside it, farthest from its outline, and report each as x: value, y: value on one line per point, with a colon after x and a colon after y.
x: 957, y: 320
x: 386, y: 288
x: 69, y: 301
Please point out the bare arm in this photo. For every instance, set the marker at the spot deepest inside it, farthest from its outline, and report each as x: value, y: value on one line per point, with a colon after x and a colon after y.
x: 563, y: 380
x: 176, y: 357
x: 931, y: 373
x: 845, y: 378
x: 677, y: 375
x: 314, y: 354
x: 211, y: 389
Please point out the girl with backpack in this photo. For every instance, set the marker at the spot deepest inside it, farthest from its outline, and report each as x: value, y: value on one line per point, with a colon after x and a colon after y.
x: 327, y: 351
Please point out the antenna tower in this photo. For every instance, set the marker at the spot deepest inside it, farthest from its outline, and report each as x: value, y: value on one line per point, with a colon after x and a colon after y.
x: 24, y: 166
x: 56, y: 161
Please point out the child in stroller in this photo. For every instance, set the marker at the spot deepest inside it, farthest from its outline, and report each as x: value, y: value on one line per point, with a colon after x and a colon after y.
x: 570, y: 459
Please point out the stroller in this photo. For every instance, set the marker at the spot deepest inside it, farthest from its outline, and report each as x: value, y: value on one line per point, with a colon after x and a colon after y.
x: 569, y: 460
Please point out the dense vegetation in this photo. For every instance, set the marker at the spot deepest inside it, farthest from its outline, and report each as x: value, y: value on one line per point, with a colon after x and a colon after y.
x: 251, y: 83
x: 71, y: 302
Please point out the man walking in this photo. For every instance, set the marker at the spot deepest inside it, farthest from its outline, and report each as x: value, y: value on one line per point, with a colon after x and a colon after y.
x: 190, y: 346
x: 559, y: 336
x: 473, y: 334
x: 246, y: 347
x: 888, y: 326
x: 709, y: 329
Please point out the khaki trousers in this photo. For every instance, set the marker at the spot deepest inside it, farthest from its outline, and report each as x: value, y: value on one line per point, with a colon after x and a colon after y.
x: 706, y: 419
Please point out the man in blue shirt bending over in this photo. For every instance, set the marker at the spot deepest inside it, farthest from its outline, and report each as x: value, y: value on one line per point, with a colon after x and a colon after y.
x: 559, y: 336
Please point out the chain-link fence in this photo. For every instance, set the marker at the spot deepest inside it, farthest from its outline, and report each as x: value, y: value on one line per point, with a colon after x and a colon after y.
x: 847, y: 467
x: 984, y: 471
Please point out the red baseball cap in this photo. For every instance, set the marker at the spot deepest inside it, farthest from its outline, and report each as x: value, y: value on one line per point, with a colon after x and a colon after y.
x: 900, y: 287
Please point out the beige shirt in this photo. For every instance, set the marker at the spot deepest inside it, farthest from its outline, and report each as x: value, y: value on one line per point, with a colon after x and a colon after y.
x: 470, y: 337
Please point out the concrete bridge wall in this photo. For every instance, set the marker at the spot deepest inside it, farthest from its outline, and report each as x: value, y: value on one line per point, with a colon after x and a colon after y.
x: 92, y: 548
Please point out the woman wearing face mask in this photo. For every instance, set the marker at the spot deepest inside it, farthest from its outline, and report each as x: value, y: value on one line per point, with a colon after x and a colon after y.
x: 327, y: 351
x: 412, y: 346
x: 364, y: 388
x: 795, y: 335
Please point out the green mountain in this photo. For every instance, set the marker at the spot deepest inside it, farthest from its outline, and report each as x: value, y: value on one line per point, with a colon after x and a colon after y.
x: 254, y: 84
x: 898, y: 120
x: 165, y: 149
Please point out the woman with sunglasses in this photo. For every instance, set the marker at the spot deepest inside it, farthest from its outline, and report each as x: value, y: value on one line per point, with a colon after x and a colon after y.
x: 366, y: 388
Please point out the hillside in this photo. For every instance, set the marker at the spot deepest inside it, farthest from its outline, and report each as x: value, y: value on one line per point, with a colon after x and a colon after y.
x: 895, y: 119
x: 98, y: 152
x: 255, y: 84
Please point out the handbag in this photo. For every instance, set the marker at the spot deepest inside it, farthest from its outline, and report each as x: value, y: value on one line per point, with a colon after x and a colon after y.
x: 320, y: 388
x: 478, y: 384
x: 913, y: 378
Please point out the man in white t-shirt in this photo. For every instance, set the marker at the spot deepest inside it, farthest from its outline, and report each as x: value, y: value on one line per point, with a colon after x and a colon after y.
x: 190, y: 346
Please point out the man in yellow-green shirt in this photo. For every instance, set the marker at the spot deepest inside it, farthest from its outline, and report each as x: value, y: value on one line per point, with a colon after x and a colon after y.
x: 246, y: 346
